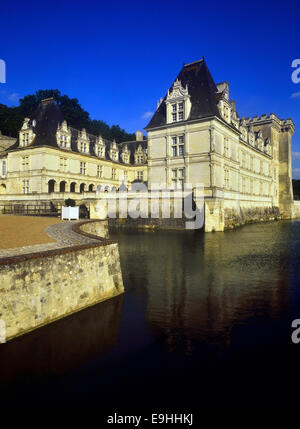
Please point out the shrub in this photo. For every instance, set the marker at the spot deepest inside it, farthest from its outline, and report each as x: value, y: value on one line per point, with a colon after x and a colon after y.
x: 70, y: 203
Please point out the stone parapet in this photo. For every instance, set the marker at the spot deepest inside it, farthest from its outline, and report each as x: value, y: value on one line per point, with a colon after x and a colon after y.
x: 38, y: 288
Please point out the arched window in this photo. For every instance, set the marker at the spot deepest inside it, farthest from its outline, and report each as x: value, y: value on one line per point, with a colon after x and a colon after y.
x: 73, y: 187
x: 62, y: 186
x: 91, y: 187
x: 51, y: 186
x: 81, y: 189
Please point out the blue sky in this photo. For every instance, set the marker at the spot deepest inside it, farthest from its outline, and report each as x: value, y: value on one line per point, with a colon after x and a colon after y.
x: 119, y: 57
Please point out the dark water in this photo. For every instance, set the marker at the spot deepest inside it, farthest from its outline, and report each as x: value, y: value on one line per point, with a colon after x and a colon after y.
x: 205, y: 322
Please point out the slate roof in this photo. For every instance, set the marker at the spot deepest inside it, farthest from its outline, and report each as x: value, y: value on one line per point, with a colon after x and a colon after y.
x: 46, y: 120
x: 202, y: 90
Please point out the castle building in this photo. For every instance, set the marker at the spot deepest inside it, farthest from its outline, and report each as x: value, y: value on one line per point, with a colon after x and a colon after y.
x: 195, y: 136
x: 51, y: 161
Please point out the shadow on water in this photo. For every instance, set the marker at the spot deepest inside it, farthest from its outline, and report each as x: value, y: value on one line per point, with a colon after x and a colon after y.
x: 205, y: 321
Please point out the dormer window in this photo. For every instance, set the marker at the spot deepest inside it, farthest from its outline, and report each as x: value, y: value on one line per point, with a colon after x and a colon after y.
x: 63, y: 136
x: 63, y: 142
x: 139, y: 156
x: 26, y: 135
x: 125, y: 155
x: 83, y: 147
x: 100, y: 147
x: 178, y: 103
x: 83, y: 143
x: 100, y: 151
x: 25, y: 139
x: 114, y: 153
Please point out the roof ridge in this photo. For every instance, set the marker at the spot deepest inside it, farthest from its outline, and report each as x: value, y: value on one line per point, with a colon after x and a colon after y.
x: 194, y: 62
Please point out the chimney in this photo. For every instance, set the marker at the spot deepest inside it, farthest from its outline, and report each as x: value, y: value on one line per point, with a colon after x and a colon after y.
x: 139, y: 136
x: 47, y: 100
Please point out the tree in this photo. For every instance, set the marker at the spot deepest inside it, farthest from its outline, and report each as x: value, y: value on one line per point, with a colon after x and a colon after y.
x: 11, y: 118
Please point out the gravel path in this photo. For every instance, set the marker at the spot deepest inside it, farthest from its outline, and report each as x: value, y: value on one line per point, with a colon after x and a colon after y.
x: 61, y: 232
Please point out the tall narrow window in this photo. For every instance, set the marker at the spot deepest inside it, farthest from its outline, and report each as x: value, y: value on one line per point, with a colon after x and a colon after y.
x: 177, y: 178
x: 140, y: 175
x: 25, y: 183
x: 178, y: 112
x: 83, y: 168
x: 178, y: 145
x: 4, y: 168
x: 99, y: 170
x: 25, y: 163
x: 113, y: 174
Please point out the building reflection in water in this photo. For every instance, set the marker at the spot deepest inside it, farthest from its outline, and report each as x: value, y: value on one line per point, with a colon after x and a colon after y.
x: 63, y: 345
x: 200, y: 286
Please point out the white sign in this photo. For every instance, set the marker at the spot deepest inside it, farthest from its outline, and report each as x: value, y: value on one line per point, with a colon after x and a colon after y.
x: 70, y: 213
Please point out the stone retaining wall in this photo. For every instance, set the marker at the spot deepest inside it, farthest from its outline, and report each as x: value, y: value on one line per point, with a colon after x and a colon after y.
x: 38, y: 288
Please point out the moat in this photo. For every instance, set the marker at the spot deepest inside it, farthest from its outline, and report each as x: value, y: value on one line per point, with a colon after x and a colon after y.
x: 205, y: 321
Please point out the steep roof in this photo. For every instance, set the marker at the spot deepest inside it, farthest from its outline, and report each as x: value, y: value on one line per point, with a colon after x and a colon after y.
x: 45, y: 122
x: 47, y: 118
x: 202, y: 90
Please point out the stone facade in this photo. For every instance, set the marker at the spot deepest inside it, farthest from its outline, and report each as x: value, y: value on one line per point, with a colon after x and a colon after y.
x: 244, y: 164
x: 53, y: 159
x: 39, y: 288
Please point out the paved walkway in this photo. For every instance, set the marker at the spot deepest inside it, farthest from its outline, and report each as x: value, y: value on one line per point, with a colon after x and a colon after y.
x: 63, y: 235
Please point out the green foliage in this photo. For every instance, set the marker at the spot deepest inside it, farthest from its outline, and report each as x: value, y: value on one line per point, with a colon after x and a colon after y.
x: 11, y: 118
x: 69, y: 202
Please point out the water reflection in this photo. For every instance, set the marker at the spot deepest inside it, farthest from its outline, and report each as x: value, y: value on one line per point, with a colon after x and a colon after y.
x: 200, y: 286
x: 64, y: 345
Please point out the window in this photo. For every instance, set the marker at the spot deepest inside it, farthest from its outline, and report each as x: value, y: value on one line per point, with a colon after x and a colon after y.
x: 140, y: 175
x: 25, y: 139
x: 125, y: 157
x: 100, y: 151
x: 63, y: 164
x: 99, y: 170
x: 114, y: 155
x: 25, y: 186
x: 83, y: 168
x: 83, y: 147
x: 140, y: 159
x: 25, y: 163
x: 226, y: 148
x: 226, y: 179
x: 4, y: 168
x: 178, y: 145
x: 125, y: 175
x: 178, y: 112
x: 113, y: 174
x: 63, y: 142
x: 177, y: 178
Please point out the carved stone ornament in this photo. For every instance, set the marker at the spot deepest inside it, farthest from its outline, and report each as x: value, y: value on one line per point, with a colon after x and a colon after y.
x: 178, y: 91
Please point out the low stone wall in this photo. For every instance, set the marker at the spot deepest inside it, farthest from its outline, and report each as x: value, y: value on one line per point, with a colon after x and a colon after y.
x: 221, y: 215
x: 38, y: 288
x: 296, y: 209
x: 93, y: 229
x: 236, y: 217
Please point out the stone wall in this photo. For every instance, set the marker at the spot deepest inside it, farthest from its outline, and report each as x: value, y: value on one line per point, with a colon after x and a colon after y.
x: 36, y: 289
x: 296, y: 209
x: 220, y: 215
